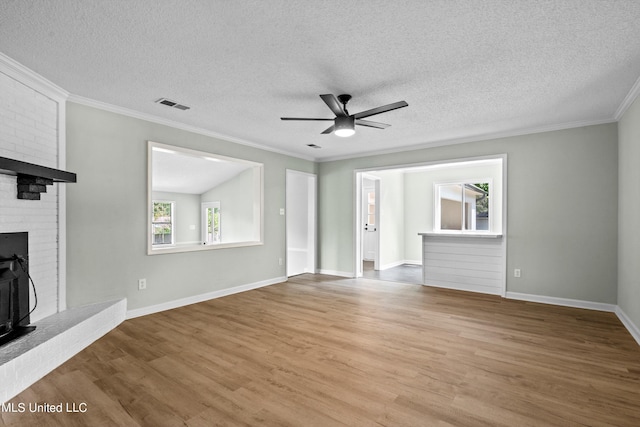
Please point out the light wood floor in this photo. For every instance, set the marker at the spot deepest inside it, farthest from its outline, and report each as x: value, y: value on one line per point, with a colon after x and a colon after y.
x: 325, y: 351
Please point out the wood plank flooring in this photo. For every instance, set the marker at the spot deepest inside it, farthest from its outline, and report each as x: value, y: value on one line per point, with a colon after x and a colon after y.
x: 326, y: 351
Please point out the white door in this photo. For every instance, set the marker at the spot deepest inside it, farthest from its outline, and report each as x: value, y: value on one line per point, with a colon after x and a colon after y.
x: 300, y: 222
x: 370, y: 220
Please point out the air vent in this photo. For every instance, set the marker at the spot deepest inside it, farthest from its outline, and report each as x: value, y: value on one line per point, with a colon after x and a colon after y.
x: 313, y: 146
x: 170, y: 103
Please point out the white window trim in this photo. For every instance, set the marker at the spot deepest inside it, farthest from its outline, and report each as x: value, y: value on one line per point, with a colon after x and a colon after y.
x: 173, y: 224
x: 203, y: 214
x: 437, y: 208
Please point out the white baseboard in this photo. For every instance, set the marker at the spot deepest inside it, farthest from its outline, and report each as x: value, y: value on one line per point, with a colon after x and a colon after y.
x: 391, y: 265
x: 399, y: 263
x: 589, y: 305
x: 631, y: 327
x: 347, y: 274
x: 201, y: 297
x: 488, y: 290
x: 566, y: 302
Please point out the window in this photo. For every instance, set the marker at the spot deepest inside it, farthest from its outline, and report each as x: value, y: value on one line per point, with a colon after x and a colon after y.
x: 211, y: 222
x: 162, y: 223
x: 462, y: 206
x: 371, y: 208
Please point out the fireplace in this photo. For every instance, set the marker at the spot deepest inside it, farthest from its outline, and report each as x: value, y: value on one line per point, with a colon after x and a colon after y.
x: 14, y: 286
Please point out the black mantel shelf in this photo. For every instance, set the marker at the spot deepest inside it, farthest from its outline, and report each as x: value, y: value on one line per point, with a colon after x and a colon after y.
x: 33, y: 179
x: 17, y: 167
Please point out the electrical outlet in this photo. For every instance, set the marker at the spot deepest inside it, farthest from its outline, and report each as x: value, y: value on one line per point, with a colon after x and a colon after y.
x: 281, y: 211
x: 142, y: 284
x: 280, y: 261
x: 516, y: 272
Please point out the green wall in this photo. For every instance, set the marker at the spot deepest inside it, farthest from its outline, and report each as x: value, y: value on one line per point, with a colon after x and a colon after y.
x: 106, y: 215
x: 562, y: 209
x: 629, y: 213
x: 562, y: 190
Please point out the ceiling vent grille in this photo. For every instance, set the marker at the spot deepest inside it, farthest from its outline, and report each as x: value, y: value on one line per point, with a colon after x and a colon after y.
x: 173, y: 104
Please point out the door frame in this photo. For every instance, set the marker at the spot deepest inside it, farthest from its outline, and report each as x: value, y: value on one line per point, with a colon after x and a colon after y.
x: 357, y: 250
x: 312, y: 206
x: 359, y: 221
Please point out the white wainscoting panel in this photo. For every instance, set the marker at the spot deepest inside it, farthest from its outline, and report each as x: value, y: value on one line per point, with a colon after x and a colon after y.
x: 469, y: 263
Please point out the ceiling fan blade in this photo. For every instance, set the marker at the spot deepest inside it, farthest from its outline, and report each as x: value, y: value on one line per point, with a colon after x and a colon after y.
x: 382, y: 109
x: 305, y: 118
x: 371, y: 124
x: 328, y: 130
x: 334, y: 105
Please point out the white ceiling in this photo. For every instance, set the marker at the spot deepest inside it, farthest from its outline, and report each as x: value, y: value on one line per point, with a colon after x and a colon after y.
x: 181, y: 172
x: 468, y: 69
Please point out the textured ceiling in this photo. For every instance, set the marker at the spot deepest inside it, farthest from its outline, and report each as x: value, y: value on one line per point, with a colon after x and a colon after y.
x: 468, y: 69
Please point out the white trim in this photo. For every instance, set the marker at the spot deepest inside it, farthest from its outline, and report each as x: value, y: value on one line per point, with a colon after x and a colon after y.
x: 201, y: 297
x: 62, y: 208
x: 347, y: 274
x: 357, y: 173
x: 565, y: 302
x: 631, y: 327
x: 258, y: 205
x: 391, y: 265
x: 402, y: 262
x: 486, y: 290
x: 505, y: 216
x: 178, y: 125
x: 30, y: 78
x: 313, y: 218
x: 628, y: 100
x: 475, y: 138
x: 356, y: 223
x: 437, y: 208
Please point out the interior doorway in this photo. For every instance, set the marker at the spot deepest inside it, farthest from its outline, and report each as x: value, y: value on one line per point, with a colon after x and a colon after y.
x: 300, y: 222
x: 368, y: 226
x: 371, y: 220
x: 411, y: 207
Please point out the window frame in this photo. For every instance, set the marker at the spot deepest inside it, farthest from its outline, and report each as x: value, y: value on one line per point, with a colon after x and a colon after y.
x: 205, y: 221
x: 172, y: 223
x: 437, y: 206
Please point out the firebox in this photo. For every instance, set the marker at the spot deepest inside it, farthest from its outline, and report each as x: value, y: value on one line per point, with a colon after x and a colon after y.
x: 14, y: 286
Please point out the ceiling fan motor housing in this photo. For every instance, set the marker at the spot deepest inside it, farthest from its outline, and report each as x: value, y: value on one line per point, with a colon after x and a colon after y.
x: 345, y: 126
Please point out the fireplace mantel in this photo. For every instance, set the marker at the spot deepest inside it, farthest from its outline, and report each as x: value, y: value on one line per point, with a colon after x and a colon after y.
x: 17, y: 167
x: 32, y: 178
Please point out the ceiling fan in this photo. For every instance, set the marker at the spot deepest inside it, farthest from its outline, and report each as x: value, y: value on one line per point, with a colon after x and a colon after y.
x: 344, y: 123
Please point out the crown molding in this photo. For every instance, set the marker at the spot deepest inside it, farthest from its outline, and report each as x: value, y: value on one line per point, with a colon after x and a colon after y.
x: 30, y: 78
x: 177, y: 125
x: 628, y: 100
x: 476, y: 138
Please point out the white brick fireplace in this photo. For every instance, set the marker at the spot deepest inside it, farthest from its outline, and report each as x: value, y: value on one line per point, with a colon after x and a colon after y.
x: 32, y: 129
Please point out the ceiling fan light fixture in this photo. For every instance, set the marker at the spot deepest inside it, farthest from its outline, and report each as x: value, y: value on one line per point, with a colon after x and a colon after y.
x: 345, y: 126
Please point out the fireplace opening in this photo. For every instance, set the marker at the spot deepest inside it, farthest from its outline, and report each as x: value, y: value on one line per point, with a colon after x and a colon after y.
x: 14, y: 286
